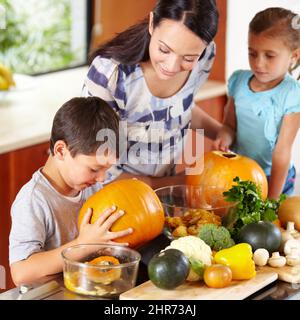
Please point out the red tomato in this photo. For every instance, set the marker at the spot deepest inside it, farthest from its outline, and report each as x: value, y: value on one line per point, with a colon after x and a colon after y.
x: 217, y: 276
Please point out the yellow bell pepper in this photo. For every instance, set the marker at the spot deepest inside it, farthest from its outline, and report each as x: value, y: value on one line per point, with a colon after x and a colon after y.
x: 239, y: 259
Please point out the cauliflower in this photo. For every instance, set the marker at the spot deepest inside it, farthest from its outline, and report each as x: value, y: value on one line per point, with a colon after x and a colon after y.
x: 198, y: 253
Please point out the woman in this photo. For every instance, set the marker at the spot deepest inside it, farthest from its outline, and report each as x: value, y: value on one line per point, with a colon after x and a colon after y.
x: 149, y: 74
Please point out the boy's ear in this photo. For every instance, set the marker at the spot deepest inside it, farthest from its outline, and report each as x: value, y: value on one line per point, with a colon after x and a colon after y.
x: 150, y: 28
x: 60, y: 149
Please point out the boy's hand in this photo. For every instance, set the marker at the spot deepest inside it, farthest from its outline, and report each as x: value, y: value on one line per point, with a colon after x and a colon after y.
x: 99, y: 230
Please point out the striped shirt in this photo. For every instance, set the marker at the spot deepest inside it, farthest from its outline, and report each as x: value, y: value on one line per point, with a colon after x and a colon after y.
x: 156, y: 127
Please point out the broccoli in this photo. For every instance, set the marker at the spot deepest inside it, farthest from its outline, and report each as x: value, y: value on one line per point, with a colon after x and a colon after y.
x: 217, y: 237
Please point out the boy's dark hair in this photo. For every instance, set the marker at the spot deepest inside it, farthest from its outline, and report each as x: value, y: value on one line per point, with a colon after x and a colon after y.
x: 132, y: 45
x: 78, y: 121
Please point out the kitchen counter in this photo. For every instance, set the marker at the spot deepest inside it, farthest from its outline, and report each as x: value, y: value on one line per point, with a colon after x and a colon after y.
x: 55, y: 290
x: 26, y: 113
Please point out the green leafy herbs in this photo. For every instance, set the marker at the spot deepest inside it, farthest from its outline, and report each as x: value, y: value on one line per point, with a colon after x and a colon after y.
x: 217, y: 237
x: 250, y: 206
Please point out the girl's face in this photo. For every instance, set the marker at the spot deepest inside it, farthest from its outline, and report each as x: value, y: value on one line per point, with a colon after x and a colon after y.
x: 269, y: 58
x: 173, y: 48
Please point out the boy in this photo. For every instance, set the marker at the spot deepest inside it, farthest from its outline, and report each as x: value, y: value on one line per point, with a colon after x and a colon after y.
x: 44, y: 213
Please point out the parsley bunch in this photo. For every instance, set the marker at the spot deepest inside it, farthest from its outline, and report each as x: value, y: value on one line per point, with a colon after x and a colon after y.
x: 250, y: 207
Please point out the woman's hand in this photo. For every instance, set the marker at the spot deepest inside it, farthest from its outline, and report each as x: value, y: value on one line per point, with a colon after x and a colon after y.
x: 99, y: 230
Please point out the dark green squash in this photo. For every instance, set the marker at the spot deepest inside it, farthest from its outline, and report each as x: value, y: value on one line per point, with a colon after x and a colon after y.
x: 262, y: 234
x: 168, y: 269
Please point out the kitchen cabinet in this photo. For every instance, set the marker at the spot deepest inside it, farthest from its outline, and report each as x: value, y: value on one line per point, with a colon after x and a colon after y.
x: 114, y: 16
x: 16, y: 168
x: 214, y: 106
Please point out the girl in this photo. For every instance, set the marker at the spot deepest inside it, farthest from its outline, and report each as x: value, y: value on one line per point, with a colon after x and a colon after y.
x: 149, y: 75
x: 264, y: 103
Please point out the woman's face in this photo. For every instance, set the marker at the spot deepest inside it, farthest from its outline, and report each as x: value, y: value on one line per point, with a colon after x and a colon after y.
x: 173, y: 48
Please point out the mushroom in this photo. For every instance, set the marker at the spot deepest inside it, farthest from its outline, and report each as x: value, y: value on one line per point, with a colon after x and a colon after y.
x: 291, y: 244
x: 293, y: 259
x: 260, y: 257
x: 277, y: 260
x: 296, y: 235
x: 289, y: 233
x: 290, y: 228
x: 285, y: 236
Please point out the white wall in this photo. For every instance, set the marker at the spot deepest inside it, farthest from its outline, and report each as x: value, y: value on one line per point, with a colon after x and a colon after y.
x: 240, y: 14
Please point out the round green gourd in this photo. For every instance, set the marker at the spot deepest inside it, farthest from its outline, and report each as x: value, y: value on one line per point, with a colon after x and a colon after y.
x: 168, y: 269
x: 262, y: 234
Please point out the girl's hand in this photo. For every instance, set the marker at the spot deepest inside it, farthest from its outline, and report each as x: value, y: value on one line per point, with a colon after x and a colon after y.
x: 224, y: 139
x: 99, y: 231
x: 222, y: 143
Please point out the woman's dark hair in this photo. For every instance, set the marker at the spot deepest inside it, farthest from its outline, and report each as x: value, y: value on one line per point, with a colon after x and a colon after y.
x: 78, y: 122
x: 131, y: 46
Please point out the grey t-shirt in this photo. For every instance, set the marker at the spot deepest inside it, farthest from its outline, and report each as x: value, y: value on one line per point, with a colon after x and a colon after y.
x: 42, y: 218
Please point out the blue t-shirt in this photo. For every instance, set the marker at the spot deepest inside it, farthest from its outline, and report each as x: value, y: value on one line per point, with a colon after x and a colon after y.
x: 259, y: 115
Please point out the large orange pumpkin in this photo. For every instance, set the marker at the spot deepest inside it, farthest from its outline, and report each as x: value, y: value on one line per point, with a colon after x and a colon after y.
x: 143, y: 209
x: 219, y: 170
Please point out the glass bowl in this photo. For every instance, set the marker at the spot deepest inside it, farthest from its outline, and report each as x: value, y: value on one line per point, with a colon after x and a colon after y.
x: 187, y: 208
x: 100, y: 269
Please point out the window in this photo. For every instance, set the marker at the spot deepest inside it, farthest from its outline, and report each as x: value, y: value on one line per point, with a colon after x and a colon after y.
x: 43, y: 36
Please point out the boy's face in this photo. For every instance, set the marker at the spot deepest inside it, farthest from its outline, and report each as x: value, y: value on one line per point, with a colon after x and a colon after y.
x: 82, y: 171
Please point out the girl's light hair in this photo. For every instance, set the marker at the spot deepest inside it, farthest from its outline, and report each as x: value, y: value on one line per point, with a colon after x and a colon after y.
x: 278, y: 22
